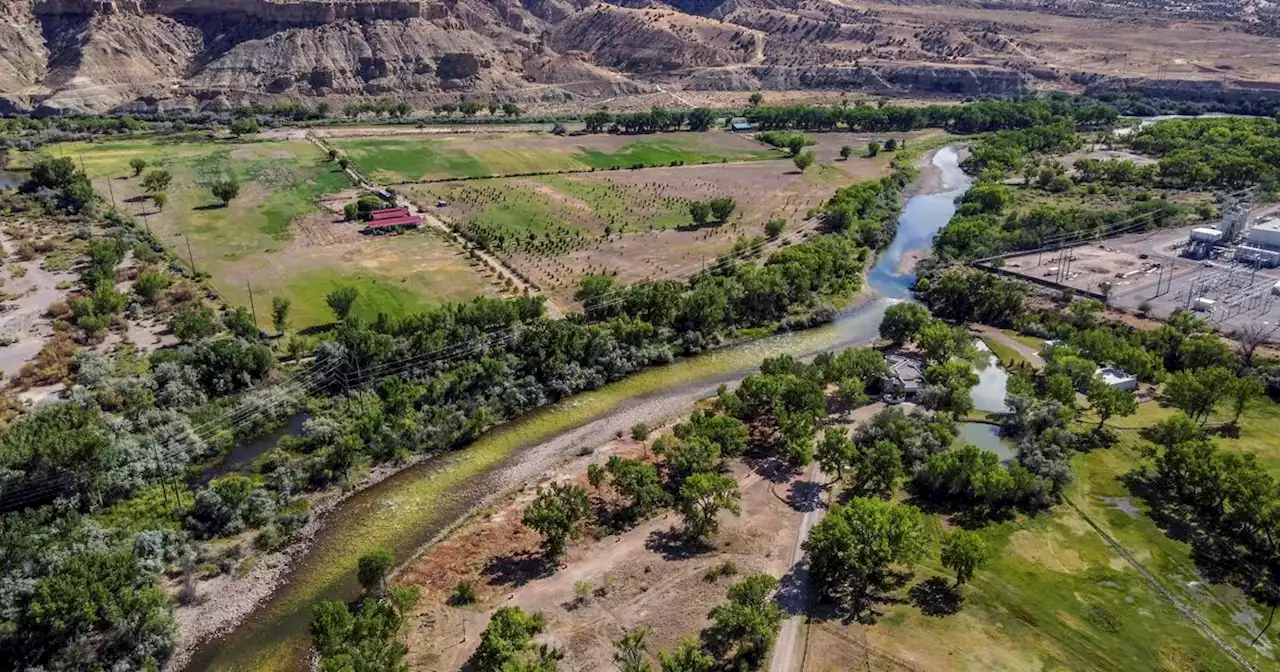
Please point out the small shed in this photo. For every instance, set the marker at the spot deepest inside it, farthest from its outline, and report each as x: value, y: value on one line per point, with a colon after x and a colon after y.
x: 1117, y: 379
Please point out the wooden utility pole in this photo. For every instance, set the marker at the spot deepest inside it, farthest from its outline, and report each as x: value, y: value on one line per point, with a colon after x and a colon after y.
x: 191, y: 255
x: 252, y: 309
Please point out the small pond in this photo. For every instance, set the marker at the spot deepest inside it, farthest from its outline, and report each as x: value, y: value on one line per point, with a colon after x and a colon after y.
x: 993, y: 380
x: 986, y: 437
x: 247, y: 451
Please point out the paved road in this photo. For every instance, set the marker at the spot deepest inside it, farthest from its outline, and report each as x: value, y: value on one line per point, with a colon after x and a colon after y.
x: 794, y: 593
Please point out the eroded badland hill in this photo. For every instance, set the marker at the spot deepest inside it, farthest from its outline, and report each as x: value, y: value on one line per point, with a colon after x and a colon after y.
x: 118, y: 55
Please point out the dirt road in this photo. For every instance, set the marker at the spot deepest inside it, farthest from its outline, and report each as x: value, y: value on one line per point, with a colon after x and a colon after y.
x: 793, y: 595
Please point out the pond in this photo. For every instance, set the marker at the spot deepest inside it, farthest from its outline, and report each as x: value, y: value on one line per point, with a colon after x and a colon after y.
x: 245, y: 453
x: 987, y: 437
x: 993, y: 380
x: 412, y: 508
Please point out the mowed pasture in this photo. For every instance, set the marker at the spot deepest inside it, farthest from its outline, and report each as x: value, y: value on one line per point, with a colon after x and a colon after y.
x: 417, y: 158
x: 283, y: 233
x: 636, y: 224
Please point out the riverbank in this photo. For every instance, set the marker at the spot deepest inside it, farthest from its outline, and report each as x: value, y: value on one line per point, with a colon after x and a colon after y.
x: 407, y: 512
x: 225, y: 601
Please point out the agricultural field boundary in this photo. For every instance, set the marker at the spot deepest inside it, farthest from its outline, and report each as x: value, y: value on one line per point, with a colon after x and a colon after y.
x: 496, y: 265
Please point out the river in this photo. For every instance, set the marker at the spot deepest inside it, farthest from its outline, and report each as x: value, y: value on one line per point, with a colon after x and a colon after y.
x: 407, y: 511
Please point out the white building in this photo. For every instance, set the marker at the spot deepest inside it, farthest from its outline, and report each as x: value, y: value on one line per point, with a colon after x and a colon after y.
x: 1117, y: 379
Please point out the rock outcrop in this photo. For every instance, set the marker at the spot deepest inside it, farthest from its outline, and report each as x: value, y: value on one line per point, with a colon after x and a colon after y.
x: 103, y: 55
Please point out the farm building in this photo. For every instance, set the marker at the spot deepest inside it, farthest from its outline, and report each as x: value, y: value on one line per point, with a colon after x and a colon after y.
x: 387, y: 213
x: 1117, y: 379
x: 390, y: 224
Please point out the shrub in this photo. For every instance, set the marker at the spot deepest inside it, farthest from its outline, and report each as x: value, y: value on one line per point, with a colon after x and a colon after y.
x: 464, y: 592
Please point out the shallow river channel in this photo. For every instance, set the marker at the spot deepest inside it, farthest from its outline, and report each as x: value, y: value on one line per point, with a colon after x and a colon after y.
x: 407, y: 511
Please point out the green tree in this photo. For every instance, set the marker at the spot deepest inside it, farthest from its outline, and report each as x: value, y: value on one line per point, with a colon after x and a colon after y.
x: 240, y: 322
x: 1108, y: 402
x: 721, y: 208
x: 510, y: 109
x: 600, y: 296
x: 138, y: 165
x: 628, y: 652
x: 244, y: 126
x: 638, y: 482
x: 873, y: 148
x: 156, y: 181
x: 505, y: 640
x: 846, y: 152
x: 937, y: 341
x: 373, y: 569
x: 225, y: 190
x: 891, y: 144
x: 702, y: 497
x: 688, y: 657
x: 755, y: 99
x: 773, y: 228
x: 159, y: 199
x: 341, y: 301
x: 1244, y: 391
x: 744, y: 628
x: 700, y: 211
x: 557, y: 513
x: 851, y: 551
x: 803, y: 160
x: 1197, y: 393
x: 835, y: 452
x: 280, y: 313
x: 963, y: 552
x: 902, y: 321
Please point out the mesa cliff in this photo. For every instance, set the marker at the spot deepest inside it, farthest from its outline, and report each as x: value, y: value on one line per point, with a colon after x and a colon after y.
x: 144, y: 55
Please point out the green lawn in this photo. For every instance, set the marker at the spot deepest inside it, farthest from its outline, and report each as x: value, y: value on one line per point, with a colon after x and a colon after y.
x: 1007, y: 355
x: 407, y: 158
x: 1056, y: 596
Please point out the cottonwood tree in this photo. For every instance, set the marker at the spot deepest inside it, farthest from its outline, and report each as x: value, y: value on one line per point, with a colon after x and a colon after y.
x: 846, y: 152
x: 1243, y: 392
x: 963, y: 552
x: 372, y: 570
x: 138, y: 165
x: 341, y: 300
x: 557, y: 513
x: 1197, y: 393
x: 156, y: 180
x: 852, y: 550
x: 1109, y: 402
x: 225, y: 190
x: 902, y: 321
x: 702, y: 497
x: 744, y: 628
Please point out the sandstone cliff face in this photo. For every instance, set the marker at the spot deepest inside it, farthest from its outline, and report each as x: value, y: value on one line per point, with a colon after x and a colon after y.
x: 102, y: 55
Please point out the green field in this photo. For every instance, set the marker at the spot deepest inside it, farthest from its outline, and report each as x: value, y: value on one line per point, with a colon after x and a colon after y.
x: 1056, y: 596
x: 279, y: 181
x: 409, y: 159
x: 256, y: 239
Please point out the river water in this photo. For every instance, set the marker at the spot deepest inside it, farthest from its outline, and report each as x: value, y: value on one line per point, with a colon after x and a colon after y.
x: 411, y: 509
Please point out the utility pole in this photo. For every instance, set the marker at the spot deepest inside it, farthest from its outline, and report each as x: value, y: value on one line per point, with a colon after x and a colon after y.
x: 252, y: 309
x: 147, y: 221
x: 191, y: 255
x: 111, y: 191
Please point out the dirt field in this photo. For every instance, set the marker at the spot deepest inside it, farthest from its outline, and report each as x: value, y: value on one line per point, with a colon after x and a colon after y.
x: 556, y: 228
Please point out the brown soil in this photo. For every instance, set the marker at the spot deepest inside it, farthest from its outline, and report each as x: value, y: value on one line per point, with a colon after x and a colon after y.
x: 637, y: 578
